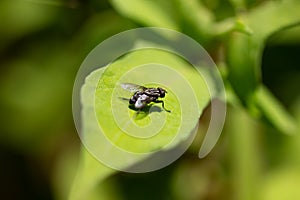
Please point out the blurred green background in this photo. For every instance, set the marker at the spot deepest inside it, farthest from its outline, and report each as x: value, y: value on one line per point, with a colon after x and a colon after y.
x: 253, y: 42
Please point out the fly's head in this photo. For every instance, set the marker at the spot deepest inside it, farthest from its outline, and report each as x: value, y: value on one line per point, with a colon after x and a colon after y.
x: 162, y: 92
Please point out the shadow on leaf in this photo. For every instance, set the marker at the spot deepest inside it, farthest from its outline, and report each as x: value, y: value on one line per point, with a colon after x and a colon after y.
x: 144, y: 112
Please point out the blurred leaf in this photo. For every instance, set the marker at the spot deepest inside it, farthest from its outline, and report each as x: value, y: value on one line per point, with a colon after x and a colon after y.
x: 33, y: 94
x: 228, y: 26
x: 37, y: 84
x: 274, y: 111
x: 196, y: 19
x: 290, y: 36
x: 193, y: 180
x: 64, y: 171
x: 282, y: 183
x: 106, y: 190
x: 292, y: 147
x: 242, y: 56
x: 20, y: 17
x: 92, y: 33
x: 90, y: 172
x: 158, y: 13
x: 220, y: 8
x: 238, y: 4
x: 244, y: 154
x: 244, y: 51
x: 266, y: 20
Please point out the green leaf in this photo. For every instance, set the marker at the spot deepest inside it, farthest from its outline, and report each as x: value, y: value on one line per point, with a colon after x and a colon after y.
x: 244, y: 152
x: 187, y: 95
x: 274, y: 111
x: 158, y: 13
x: 196, y: 19
x: 230, y: 25
x: 289, y: 36
x: 273, y: 16
x: 186, y: 98
x: 244, y: 51
x: 90, y: 171
x: 242, y: 57
x: 238, y: 4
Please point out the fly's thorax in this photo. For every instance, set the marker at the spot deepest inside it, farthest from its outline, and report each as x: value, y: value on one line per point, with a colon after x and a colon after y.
x: 141, y: 101
x: 138, y: 104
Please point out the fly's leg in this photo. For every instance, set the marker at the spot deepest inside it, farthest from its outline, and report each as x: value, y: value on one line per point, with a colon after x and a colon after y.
x: 163, y: 105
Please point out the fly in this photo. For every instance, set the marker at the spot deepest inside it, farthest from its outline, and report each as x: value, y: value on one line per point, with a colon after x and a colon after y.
x: 143, y: 96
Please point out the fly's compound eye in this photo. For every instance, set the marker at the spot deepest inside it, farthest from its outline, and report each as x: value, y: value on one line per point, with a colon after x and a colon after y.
x: 162, y: 92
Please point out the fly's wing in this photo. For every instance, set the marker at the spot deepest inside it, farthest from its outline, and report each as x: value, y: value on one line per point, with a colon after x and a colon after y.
x: 132, y: 87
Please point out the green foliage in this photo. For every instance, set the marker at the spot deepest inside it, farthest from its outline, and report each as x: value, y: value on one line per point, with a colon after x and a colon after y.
x: 125, y: 70
x: 90, y: 172
x: 21, y: 18
x: 244, y: 37
x: 245, y: 51
x: 152, y: 13
x: 275, y: 112
x: 42, y: 46
x: 102, y: 93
